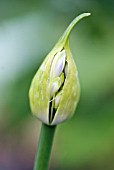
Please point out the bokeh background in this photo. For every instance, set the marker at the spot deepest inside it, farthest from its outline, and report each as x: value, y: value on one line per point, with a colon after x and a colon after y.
x: 28, y: 31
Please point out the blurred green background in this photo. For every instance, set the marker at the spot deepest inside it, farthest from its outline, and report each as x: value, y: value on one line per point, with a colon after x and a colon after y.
x: 28, y: 31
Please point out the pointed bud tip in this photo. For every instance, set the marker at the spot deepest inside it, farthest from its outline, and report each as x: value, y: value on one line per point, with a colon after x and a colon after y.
x: 88, y: 14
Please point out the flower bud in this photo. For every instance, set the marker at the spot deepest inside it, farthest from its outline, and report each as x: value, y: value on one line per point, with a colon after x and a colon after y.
x: 58, y: 64
x: 55, y: 89
x: 56, y: 84
x: 57, y: 99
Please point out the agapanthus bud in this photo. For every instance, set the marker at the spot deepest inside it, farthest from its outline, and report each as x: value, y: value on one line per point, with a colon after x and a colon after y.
x: 55, y: 89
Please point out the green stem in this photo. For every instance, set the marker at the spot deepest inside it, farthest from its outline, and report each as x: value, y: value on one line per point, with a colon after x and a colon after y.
x: 44, y: 147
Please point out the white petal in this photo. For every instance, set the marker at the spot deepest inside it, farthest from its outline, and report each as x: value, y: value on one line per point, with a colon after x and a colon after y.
x: 54, y: 88
x: 60, y: 64
x: 57, y: 100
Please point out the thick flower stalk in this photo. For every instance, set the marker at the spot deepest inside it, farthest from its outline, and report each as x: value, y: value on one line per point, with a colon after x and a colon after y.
x: 55, y: 88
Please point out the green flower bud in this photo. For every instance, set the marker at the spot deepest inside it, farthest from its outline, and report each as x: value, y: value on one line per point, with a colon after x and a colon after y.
x: 55, y: 89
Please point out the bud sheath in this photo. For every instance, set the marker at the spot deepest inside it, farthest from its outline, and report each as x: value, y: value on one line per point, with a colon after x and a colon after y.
x: 55, y: 89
